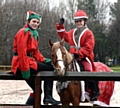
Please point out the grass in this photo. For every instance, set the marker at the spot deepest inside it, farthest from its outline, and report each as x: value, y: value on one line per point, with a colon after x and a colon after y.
x: 115, y: 68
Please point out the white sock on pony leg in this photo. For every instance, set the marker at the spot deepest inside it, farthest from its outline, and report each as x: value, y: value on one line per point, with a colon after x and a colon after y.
x: 83, y: 91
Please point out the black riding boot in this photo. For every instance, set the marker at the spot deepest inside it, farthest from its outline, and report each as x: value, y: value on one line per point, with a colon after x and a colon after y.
x: 95, y: 91
x: 31, y: 99
x: 48, y: 86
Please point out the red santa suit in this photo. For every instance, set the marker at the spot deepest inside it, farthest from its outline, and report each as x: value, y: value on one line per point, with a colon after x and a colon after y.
x: 84, y: 48
x: 85, y: 45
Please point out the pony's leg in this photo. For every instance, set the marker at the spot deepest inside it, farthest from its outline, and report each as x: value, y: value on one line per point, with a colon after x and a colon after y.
x: 64, y: 102
x: 76, y: 93
x: 76, y: 101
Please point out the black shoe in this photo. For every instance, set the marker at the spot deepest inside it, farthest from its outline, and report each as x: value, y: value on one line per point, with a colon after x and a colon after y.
x: 94, y: 97
x: 48, y: 99
x: 30, y: 101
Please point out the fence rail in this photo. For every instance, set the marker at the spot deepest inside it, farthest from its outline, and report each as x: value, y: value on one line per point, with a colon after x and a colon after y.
x: 8, y: 67
x: 5, y: 67
x: 115, y: 68
x: 101, y: 76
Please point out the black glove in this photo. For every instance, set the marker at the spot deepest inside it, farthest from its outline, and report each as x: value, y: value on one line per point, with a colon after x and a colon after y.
x: 75, y: 56
x: 61, y: 21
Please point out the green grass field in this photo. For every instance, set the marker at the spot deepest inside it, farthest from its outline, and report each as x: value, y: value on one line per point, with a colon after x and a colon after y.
x: 115, y: 68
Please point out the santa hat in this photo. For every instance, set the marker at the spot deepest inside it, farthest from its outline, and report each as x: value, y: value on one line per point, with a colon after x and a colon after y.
x: 31, y: 15
x: 80, y: 14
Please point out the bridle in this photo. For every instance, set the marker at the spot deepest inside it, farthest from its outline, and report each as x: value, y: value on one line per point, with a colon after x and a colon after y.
x: 65, y: 62
x: 54, y: 63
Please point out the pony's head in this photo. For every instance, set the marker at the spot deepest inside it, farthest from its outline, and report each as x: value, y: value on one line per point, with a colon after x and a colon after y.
x: 59, y: 56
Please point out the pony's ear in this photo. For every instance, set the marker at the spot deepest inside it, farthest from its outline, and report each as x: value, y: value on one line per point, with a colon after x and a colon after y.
x: 50, y: 43
x: 62, y: 41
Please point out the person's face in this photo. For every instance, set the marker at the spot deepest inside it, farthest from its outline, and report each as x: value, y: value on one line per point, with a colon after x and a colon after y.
x: 34, y: 23
x: 80, y: 23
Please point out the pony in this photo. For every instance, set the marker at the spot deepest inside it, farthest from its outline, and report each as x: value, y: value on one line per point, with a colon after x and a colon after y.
x: 74, y: 91
x: 62, y: 62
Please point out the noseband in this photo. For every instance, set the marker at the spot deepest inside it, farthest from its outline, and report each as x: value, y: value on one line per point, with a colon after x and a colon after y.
x: 65, y: 63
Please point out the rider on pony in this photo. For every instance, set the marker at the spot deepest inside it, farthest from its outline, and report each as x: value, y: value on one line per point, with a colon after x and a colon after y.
x: 82, y: 42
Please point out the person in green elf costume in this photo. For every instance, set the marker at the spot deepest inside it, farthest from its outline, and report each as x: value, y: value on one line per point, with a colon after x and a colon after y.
x: 28, y: 60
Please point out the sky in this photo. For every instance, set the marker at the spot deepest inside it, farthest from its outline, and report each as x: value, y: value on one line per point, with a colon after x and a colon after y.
x: 56, y: 2
x: 112, y: 1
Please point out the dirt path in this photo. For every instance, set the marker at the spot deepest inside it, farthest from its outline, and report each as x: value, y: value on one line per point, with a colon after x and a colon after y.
x: 17, y: 92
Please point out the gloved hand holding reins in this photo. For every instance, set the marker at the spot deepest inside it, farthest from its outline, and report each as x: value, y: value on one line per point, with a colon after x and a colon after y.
x: 76, y: 56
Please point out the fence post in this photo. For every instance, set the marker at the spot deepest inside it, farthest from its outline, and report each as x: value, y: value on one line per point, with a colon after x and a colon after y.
x: 37, y: 92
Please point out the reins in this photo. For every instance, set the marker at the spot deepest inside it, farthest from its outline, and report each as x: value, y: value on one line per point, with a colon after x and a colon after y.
x: 67, y: 65
x: 72, y: 62
x: 74, y: 66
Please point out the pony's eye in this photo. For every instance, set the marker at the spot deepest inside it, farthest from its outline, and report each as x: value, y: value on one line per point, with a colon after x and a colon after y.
x: 64, y: 54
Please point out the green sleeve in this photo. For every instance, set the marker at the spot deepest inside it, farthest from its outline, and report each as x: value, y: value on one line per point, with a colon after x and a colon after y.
x: 47, y: 60
x: 26, y: 74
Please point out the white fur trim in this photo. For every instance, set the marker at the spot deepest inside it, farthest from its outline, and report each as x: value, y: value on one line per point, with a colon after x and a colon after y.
x: 89, y: 62
x: 27, y: 16
x: 83, y: 91
x: 40, y: 19
x: 78, y: 46
x: 61, y: 30
x: 74, y: 37
x: 60, y: 86
x: 87, y: 96
x: 81, y: 36
x: 100, y: 103
x: 80, y: 17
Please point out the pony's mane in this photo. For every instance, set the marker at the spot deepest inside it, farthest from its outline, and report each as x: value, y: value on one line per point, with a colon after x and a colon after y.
x: 69, y: 56
x: 57, y: 45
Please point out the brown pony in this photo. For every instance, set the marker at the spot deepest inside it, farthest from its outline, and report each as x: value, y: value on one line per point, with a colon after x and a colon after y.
x: 69, y: 91
x: 74, y: 91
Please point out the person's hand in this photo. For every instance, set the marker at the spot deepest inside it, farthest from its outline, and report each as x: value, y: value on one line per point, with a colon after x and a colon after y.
x: 75, y: 56
x: 61, y: 21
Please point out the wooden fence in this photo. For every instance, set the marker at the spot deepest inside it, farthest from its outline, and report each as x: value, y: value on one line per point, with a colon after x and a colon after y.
x: 5, y: 67
x: 8, y: 67
x: 101, y: 76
